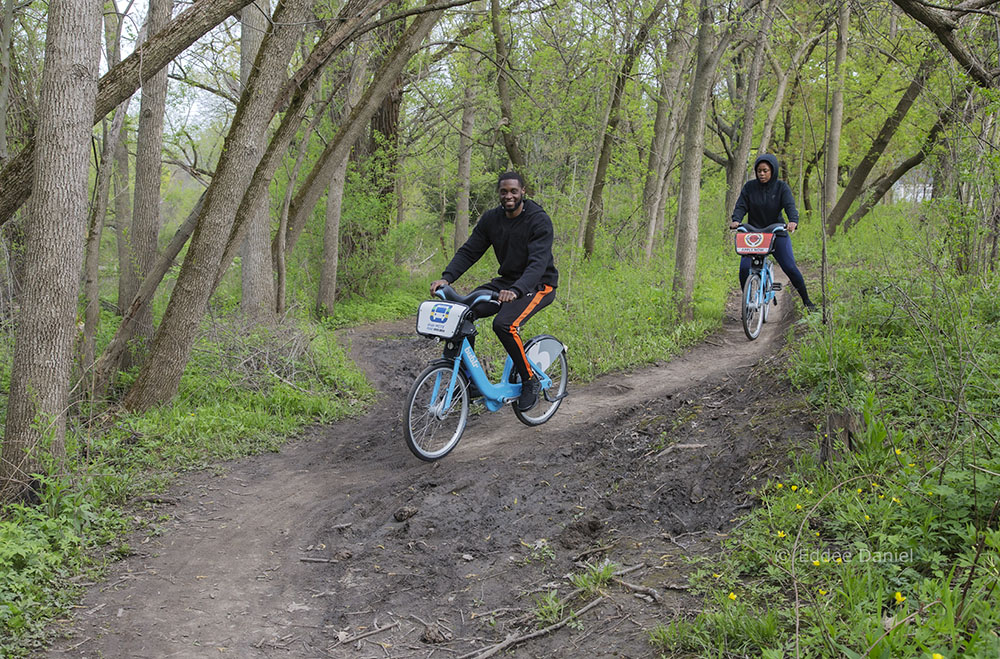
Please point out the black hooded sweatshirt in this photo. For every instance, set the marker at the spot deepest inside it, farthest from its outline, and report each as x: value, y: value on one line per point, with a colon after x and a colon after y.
x: 763, y: 203
x: 522, y: 244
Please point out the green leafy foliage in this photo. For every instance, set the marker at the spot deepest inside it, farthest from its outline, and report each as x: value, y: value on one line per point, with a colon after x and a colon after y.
x: 890, y: 549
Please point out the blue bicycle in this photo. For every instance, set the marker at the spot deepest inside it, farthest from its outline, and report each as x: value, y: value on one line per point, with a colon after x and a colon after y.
x: 760, y: 287
x: 437, y: 409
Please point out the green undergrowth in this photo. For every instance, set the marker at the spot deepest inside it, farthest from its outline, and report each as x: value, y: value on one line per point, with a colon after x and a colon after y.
x: 246, y: 390
x: 242, y: 393
x: 891, y: 548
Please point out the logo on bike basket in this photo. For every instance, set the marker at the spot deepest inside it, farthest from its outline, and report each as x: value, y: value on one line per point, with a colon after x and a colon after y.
x: 439, y: 314
x: 754, y: 239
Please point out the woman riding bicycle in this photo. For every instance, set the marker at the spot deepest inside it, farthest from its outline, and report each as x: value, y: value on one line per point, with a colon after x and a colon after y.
x: 761, y: 200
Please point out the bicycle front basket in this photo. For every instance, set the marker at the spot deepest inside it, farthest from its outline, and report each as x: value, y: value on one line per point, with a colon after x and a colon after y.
x: 440, y: 319
x: 748, y: 244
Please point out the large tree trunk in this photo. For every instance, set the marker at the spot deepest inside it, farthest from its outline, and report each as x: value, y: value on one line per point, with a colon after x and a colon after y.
x: 465, y: 162
x: 326, y: 297
x: 120, y: 83
x: 158, y: 380
x: 736, y: 168
x: 832, y: 176
x: 341, y: 144
x: 258, y: 299
x: 889, y: 128
x: 686, y: 254
x: 46, y: 328
x: 595, y: 205
x: 145, y: 232
x: 507, y: 131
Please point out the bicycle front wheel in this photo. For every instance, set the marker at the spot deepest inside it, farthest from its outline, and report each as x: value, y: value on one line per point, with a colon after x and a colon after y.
x: 431, y: 429
x: 552, y: 355
x: 753, y: 314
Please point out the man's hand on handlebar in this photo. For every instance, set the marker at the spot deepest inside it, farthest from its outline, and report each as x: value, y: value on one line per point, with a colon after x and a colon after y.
x: 507, y: 295
x: 438, y: 284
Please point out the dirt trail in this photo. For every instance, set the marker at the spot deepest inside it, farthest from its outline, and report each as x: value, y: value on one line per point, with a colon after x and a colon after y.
x: 344, y: 545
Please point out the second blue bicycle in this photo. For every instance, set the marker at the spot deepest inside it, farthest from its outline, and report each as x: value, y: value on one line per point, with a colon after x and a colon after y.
x: 760, y: 287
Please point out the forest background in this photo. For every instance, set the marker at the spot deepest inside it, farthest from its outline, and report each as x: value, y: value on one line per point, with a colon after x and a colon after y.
x: 195, y: 195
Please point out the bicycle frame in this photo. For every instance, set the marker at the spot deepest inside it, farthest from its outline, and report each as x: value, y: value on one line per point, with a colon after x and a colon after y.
x: 761, y: 265
x: 495, y: 396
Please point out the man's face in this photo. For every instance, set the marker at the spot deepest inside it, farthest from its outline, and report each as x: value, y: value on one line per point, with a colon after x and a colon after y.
x: 763, y: 172
x: 511, y: 195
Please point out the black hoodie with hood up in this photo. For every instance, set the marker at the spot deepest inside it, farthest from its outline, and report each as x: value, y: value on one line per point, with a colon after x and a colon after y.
x: 762, y: 203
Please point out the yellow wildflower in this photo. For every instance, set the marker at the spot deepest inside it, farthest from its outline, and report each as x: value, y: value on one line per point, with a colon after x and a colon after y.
x: 815, y: 562
x: 794, y: 487
x: 900, y: 598
x: 822, y: 592
x: 780, y: 485
x: 781, y: 534
x: 732, y: 596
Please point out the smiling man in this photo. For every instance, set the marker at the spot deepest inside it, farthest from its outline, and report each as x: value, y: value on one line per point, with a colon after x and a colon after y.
x: 520, y: 233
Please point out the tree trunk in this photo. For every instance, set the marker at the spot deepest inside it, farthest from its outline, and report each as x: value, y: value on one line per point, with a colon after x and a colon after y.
x: 694, y: 146
x: 943, y: 23
x: 6, y: 22
x: 465, y: 164
x: 120, y: 83
x: 159, y: 378
x: 326, y: 297
x: 665, y: 128
x: 595, y: 207
x: 99, y: 209
x: 507, y: 131
x: 881, y: 186
x: 106, y: 365
x: 736, y: 168
x: 45, y: 327
x: 347, y: 22
x: 341, y: 144
x: 144, y: 237
x: 832, y: 176
x: 889, y: 128
x: 257, y: 277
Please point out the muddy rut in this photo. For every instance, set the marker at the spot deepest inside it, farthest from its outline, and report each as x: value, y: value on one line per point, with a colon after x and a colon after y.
x: 344, y: 545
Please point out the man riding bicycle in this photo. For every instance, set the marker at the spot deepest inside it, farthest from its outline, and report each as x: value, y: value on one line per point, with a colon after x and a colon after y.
x: 762, y: 199
x: 520, y: 233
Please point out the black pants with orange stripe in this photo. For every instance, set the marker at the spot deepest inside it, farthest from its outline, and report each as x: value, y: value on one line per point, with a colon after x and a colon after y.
x: 511, y: 318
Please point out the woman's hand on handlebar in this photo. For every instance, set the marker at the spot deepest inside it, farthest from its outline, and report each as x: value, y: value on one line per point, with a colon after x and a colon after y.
x: 734, y: 225
x: 438, y: 284
x: 507, y: 295
x: 791, y: 226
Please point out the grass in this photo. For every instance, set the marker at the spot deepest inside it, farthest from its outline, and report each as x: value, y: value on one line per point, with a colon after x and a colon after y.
x: 892, y: 549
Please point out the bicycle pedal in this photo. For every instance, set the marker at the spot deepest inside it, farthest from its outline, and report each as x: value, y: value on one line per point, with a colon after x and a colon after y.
x: 775, y: 286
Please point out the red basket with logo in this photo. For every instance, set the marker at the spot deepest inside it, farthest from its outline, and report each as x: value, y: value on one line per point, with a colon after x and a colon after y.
x: 751, y: 244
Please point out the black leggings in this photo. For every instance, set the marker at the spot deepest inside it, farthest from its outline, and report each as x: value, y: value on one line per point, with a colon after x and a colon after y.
x: 512, y: 316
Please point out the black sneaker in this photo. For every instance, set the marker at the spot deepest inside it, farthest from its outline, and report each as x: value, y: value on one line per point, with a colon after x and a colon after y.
x: 529, y: 395
x: 811, y: 308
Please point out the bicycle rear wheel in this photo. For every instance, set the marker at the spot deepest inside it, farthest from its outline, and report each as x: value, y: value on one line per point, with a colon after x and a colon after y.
x: 550, y: 355
x: 752, y: 313
x: 431, y: 429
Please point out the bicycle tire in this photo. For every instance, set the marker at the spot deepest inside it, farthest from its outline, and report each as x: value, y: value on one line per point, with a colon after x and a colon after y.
x: 430, y: 431
x: 766, y: 306
x: 752, y: 315
x: 557, y: 369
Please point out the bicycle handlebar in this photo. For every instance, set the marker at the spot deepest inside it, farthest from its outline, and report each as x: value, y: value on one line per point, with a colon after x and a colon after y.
x: 778, y: 227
